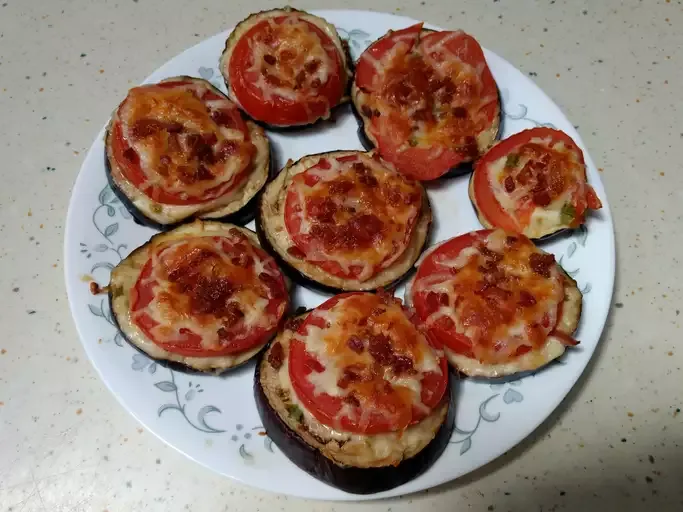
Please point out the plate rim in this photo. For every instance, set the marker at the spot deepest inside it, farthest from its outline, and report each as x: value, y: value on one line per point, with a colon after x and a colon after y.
x: 336, y: 495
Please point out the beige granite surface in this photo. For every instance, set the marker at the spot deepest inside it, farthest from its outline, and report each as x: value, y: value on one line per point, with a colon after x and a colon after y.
x: 615, y: 67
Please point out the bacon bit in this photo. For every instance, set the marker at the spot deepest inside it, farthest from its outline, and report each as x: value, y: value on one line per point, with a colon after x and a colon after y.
x: 541, y: 263
x: 367, y: 111
x: 145, y: 127
x: 352, y: 373
x: 379, y: 347
x: 243, y: 260
x: 511, y: 241
x: 96, y: 289
x: 566, y: 339
x: 322, y: 209
x: 422, y: 115
x: 459, y: 112
x: 230, y: 317
x: 509, y: 184
x: 273, y: 80
x: 340, y: 187
x: 203, y: 174
x: 238, y: 235
x: 131, y: 155
x: 294, y: 323
x: 295, y: 252
x: 272, y: 283
x: 541, y: 198
x: 276, y: 355
x: 356, y: 344
x: 312, y: 66
x: 316, y: 83
x: 490, y: 255
x: 270, y: 59
x: 352, y: 399
x: 526, y: 300
x: 402, y: 364
x: 223, y: 118
x: 300, y: 79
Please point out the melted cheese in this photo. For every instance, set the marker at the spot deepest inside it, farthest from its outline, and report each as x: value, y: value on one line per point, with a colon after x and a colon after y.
x: 355, y: 450
x: 165, y: 158
x: 205, y: 259
x: 466, y: 310
x: 295, y: 36
x: 393, y: 200
x: 543, y: 219
x: 329, y: 345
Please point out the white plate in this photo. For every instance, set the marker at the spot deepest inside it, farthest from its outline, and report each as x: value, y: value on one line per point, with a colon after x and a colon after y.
x: 213, y: 420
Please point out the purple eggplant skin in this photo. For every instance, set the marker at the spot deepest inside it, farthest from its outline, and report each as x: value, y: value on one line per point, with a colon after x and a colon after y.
x: 241, y: 217
x: 458, y: 170
x: 349, y: 479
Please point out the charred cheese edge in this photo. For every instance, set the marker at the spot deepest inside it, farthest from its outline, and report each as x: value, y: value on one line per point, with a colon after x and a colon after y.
x: 343, y: 448
x: 125, y: 275
x: 247, y: 24
x: 168, y: 214
x: 272, y: 224
x: 359, y: 98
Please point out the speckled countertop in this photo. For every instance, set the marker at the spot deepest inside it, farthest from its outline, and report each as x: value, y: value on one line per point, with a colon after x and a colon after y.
x: 615, y: 67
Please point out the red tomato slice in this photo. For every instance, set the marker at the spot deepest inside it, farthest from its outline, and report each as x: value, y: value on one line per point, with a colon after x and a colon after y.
x: 435, y: 98
x: 352, y: 209
x: 300, y: 75
x: 176, y: 166
x: 542, y: 165
x: 212, y: 281
x: 486, y: 304
x: 371, y: 341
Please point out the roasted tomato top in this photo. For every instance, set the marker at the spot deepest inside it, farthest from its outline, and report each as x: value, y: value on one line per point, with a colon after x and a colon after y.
x: 428, y: 99
x: 534, y: 183
x: 286, y: 70
x: 359, y: 364
x: 489, y: 296
x: 350, y: 215
x: 180, y: 141
x: 208, y: 296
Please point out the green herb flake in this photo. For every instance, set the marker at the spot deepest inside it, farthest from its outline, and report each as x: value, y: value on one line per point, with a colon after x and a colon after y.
x: 512, y: 160
x: 412, y: 142
x: 295, y: 412
x: 568, y: 213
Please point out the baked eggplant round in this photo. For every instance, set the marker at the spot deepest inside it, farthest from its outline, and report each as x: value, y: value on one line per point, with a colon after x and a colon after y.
x: 204, y: 296
x: 427, y: 101
x: 344, y: 221
x: 180, y: 149
x: 329, y: 421
x: 286, y: 67
x: 497, y: 303
x: 533, y: 183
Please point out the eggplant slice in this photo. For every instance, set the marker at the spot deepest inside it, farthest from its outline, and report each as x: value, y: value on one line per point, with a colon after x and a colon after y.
x: 125, y: 275
x: 353, y: 463
x: 275, y: 239
x: 327, y: 28
x: 237, y: 206
x: 485, y: 139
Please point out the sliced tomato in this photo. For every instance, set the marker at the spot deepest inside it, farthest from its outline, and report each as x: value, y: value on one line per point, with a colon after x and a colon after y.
x: 176, y: 164
x: 352, y: 216
x: 299, y: 76
x: 427, y: 97
x: 192, y: 296
x: 542, y: 165
x: 493, y: 303
x: 371, y: 342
